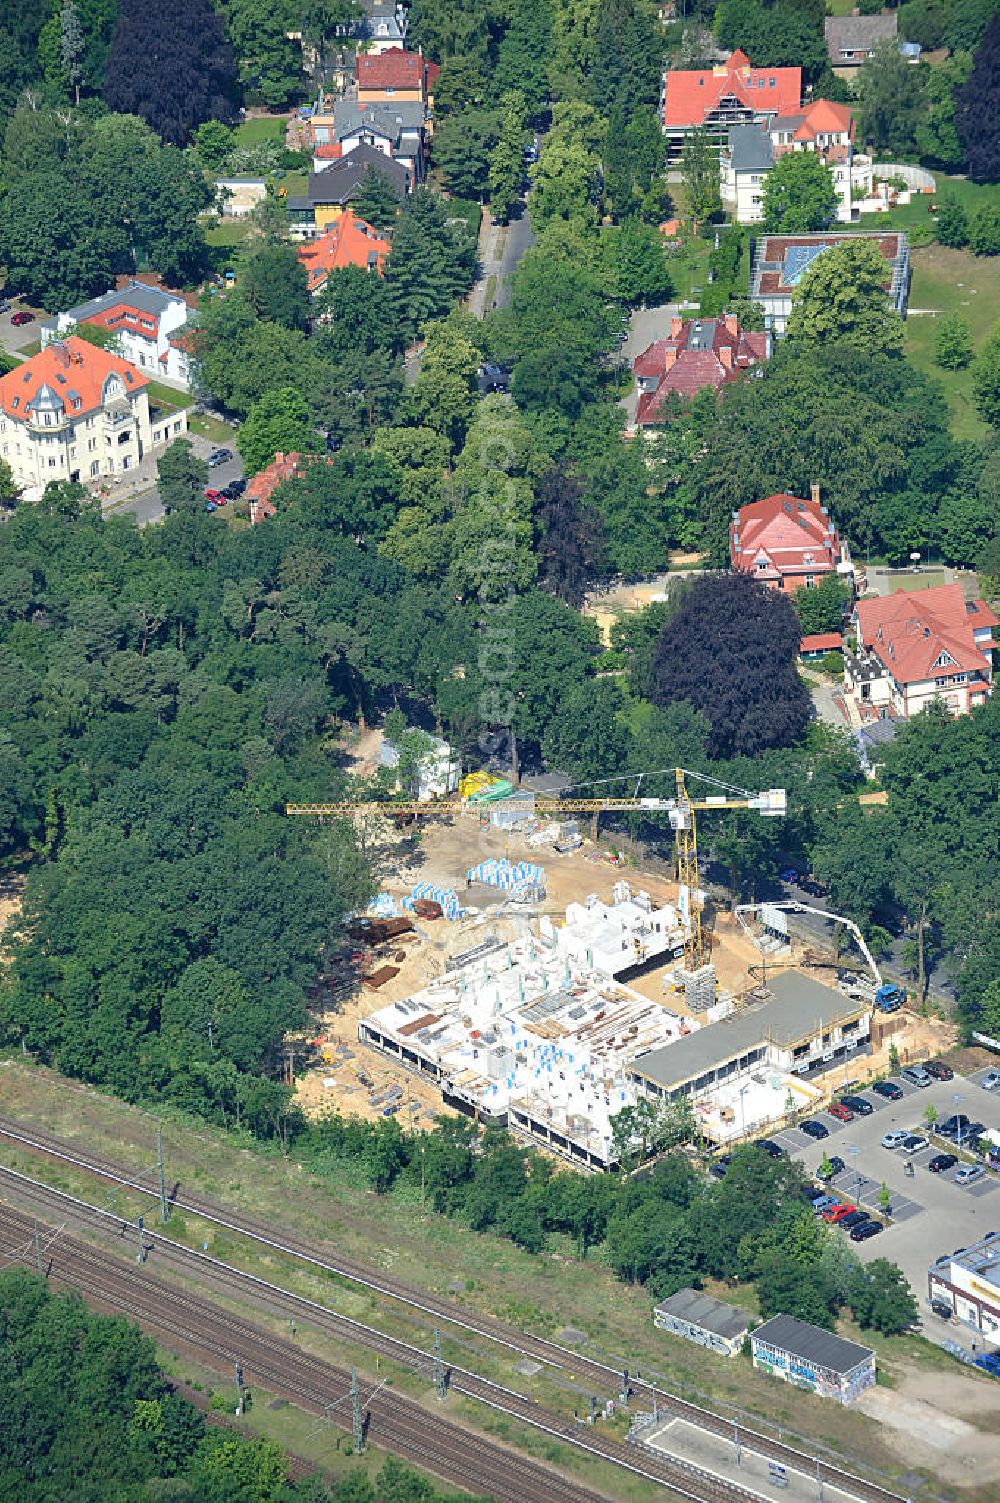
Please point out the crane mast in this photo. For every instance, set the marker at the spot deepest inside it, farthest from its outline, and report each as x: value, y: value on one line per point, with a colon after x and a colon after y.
x: 681, y: 809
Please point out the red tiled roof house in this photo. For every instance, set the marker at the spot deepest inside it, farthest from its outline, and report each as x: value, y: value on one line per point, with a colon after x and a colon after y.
x: 917, y: 646
x: 77, y: 412
x: 733, y: 93
x: 348, y: 241
x: 787, y: 543
x: 696, y: 353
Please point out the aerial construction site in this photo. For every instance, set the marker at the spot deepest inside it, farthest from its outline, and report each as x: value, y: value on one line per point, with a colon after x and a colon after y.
x: 516, y: 976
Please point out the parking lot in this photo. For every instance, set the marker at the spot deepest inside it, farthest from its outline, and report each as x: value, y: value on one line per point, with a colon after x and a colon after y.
x: 929, y: 1214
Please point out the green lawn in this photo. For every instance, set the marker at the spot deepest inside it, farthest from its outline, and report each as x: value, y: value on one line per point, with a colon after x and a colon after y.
x: 689, y: 268
x: 953, y: 281
x: 264, y: 128
x: 167, y: 397
x: 212, y: 428
x: 229, y: 232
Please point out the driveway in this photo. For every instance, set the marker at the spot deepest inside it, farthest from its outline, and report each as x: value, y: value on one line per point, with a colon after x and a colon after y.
x: 929, y: 1214
x: 14, y: 339
x: 146, y: 505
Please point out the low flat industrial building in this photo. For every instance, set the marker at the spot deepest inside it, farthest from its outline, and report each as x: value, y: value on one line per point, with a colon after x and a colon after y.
x: 799, y: 1027
x: 969, y: 1281
x: 706, y: 1321
x: 806, y: 1355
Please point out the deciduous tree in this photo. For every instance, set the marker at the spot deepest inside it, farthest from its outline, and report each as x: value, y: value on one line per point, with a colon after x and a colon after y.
x: 799, y: 196
x: 977, y: 109
x: 174, y: 68
x: 843, y: 298
x: 730, y: 652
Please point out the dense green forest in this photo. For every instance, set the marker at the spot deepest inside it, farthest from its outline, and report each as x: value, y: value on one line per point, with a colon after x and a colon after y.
x: 88, y: 1415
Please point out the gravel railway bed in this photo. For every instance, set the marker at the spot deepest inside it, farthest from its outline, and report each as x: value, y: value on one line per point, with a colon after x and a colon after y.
x: 394, y: 1422
x: 602, y: 1375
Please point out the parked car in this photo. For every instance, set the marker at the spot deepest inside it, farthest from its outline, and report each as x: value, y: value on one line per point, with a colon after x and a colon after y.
x: 219, y: 497
x: 813, y: 887
x: 989, y: 1362
x: 916, y: 1075
x: 836, y: 1213
x: 895, y: 1138
x: 837, y: 1166
x: 5, y: 305
x: 973, y: 1133
x: 858, y: 1105
x: 853, y: 1220
x: 219, y: 456
x: 942, y: 1161
x: 969, y: 1174
x: 719, y: 1166
x: 951, y: 1125
x: 912, y: 1143
x: 991, y: 1081
x: 23, y: 317
x: 840, y: 1111
x: 939, y: 1069
x: 771, y: 1149
x: 824, y: 1203
x: 865, y: 1230
x: 235, y: 488
x: 942, y: 1309
x: 814, y: 1129
x: 888, y: 1090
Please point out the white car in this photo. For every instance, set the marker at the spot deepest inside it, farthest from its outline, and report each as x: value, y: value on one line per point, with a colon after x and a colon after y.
x: 912, y: 1143
x: 968, y: 1174
x: 991, y: 1081
x: 896, y: 1138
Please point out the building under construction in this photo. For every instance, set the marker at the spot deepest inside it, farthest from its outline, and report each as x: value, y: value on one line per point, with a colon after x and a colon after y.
x: 538, y: 1034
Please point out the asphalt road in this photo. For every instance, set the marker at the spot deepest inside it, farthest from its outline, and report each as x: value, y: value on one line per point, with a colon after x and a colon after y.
x: 520, y: 238
x: 147, y: 506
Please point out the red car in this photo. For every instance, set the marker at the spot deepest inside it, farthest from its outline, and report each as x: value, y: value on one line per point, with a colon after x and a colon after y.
x: 24, y: 317
x: 840, y: 1111
x: 217, y: 496
x: 837, y: 1213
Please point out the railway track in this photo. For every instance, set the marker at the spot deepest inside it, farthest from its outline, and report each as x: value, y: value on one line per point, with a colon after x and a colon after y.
x: 681, y: 1477
x: 396, y: 1423
x: 601, y: 1375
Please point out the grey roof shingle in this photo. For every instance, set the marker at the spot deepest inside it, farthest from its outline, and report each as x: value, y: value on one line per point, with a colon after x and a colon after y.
x: 137, y: 294
x: 337, y: 183
x: 812, y: 1343
x: 710, y: 1314
x: 750, y: 149
x: 858, y: 33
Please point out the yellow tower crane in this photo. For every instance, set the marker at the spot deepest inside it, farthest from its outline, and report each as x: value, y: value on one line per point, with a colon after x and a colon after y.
x: 680, y: 809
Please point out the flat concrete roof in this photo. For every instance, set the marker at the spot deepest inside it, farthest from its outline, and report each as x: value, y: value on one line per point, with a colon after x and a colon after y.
x: 709, y: 1314
x: 798, y: 1009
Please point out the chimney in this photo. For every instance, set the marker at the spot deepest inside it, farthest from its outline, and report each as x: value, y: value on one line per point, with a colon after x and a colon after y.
x: 814, y: 492
x: 676, y: 325
x: 733, y: 325
x: 726, y: 356
x: 669, y: 359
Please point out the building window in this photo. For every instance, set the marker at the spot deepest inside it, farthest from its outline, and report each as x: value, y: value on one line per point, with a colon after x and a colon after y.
x: 52, y: 464
x: 95, y: 468
x: 810, y: 581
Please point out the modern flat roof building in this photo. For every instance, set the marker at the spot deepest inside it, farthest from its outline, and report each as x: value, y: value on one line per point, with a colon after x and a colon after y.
x: 969, y: 1281
x: 706, y: 1321
x: 800, y: 1024
x: 812, y: 1358
x: 779, y: 262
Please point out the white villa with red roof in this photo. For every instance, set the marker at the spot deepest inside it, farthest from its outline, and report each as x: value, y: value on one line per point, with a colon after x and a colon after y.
x: 918, y: 646
x: 76, y: 412
x: 733, y: 93
x: 698, y: 352
x: 787, y: 543
x: 148, y: 324
x: 752, y: 150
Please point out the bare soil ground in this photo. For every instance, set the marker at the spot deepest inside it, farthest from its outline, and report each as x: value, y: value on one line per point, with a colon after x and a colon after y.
x: 951, y: 1428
